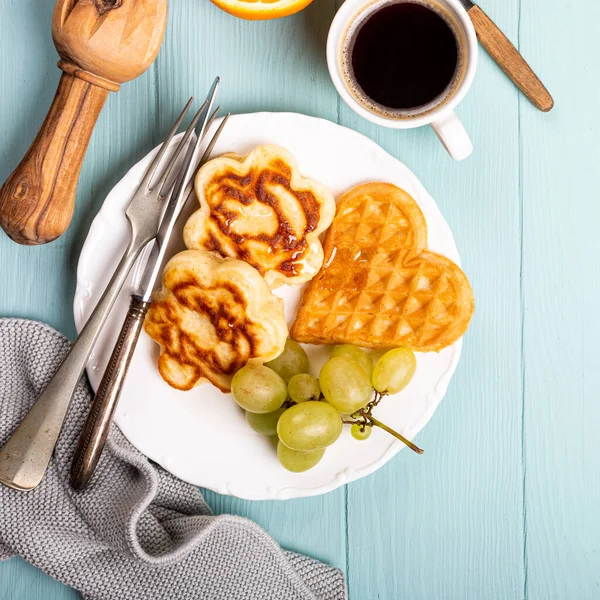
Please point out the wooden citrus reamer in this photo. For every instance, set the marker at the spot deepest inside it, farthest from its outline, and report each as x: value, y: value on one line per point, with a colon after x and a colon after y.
x: 101, y: 43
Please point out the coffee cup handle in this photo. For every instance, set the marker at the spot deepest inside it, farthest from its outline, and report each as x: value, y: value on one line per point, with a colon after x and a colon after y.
x: 453, y: 136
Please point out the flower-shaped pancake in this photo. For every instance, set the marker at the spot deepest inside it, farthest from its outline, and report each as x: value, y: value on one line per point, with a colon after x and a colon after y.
x: 212, y: 316
x: 260, y: 209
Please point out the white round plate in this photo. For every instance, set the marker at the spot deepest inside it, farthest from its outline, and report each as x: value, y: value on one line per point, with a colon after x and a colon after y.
x: 201, y: 436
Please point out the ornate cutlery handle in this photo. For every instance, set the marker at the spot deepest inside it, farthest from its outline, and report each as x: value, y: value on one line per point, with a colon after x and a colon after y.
x: 96, y: 428
x: 26, y: 455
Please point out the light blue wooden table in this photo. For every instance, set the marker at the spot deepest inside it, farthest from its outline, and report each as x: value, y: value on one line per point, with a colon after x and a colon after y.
x: 505, y: 504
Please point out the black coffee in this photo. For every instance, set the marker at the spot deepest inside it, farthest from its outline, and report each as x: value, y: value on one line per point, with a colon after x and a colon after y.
x: 404, y: 56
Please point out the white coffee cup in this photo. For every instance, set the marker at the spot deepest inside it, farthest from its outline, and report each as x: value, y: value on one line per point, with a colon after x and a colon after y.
x: 441, y: 117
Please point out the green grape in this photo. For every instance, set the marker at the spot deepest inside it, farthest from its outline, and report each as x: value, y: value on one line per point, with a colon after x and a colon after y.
x: 304, y: 387
x: 355, y: 354
x: 290, y: 362
x: 360, y: 432
x: 345, y: 384
x: 266, y: 423
x: 258, y: 389
x: 309, y: 426
x: 296, y: 461
x: 394, y: 370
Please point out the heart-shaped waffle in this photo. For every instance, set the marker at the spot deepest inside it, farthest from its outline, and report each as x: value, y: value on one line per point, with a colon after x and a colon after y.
x: 379, y: 286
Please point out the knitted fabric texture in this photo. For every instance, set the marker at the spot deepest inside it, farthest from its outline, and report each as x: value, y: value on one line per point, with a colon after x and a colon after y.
x: 137, y: 532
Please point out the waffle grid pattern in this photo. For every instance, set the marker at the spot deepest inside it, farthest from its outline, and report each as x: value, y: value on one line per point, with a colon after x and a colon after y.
x: 379, y: 286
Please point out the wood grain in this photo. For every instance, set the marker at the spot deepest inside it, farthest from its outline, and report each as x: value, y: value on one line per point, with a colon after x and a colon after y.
x: 37, y: 200
x: 263, y: 65
x: 501, y: 49
x: 561, y: 286
x: 100, y: 45
x: 114, y: 40
x: 449, y: 525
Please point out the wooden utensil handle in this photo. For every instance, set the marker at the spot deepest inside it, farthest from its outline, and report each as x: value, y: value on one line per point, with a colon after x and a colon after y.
x: 500, y: 48
x: 37, y: 200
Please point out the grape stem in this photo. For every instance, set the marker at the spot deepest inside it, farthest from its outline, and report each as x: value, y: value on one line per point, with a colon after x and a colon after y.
x: 383, y: 426
x: 366, y: 419
x: 378, y: 398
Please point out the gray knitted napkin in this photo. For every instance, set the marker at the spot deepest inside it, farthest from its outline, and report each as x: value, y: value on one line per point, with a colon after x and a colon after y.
x: 137, y: 532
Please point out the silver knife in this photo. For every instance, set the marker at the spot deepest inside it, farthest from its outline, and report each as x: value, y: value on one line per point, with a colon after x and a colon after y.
x: 97, y: 426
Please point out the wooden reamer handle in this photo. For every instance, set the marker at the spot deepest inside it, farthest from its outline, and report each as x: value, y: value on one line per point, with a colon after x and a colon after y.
x: 501, y: 49
x: 37, y: 200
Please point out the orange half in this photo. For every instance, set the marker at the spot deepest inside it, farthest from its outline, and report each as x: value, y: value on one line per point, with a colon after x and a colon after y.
x: 254, y: 10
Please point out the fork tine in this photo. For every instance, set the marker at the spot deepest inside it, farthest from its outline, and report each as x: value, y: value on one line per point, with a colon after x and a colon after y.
x: 211, y: 120
x: 180, y: 146
x: 168, y: 186
x: 204, y: 158
x: 205, y: 119
x: 214, y: 139
x: 165, y: 145
x: 210, y: 99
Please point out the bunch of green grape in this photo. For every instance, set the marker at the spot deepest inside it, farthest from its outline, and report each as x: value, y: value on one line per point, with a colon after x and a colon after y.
x: 305, y: 413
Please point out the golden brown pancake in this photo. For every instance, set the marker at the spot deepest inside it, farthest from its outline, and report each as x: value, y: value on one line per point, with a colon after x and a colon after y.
x: 260, y: 209
x: 212, y: 316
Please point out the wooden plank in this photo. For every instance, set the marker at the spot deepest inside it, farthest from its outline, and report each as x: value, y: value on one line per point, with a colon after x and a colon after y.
x: 274, y: 66
x: 39, y: 282
x: 312, y: 526
x: 130, y: 125
x: 450, y: 524
x: 28, y: 71
x: 561, y: 178
x: 21, y: 581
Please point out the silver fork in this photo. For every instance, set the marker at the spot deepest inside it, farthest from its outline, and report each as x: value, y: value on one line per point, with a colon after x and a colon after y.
x: 27, y: 453
x: 97, y: 426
